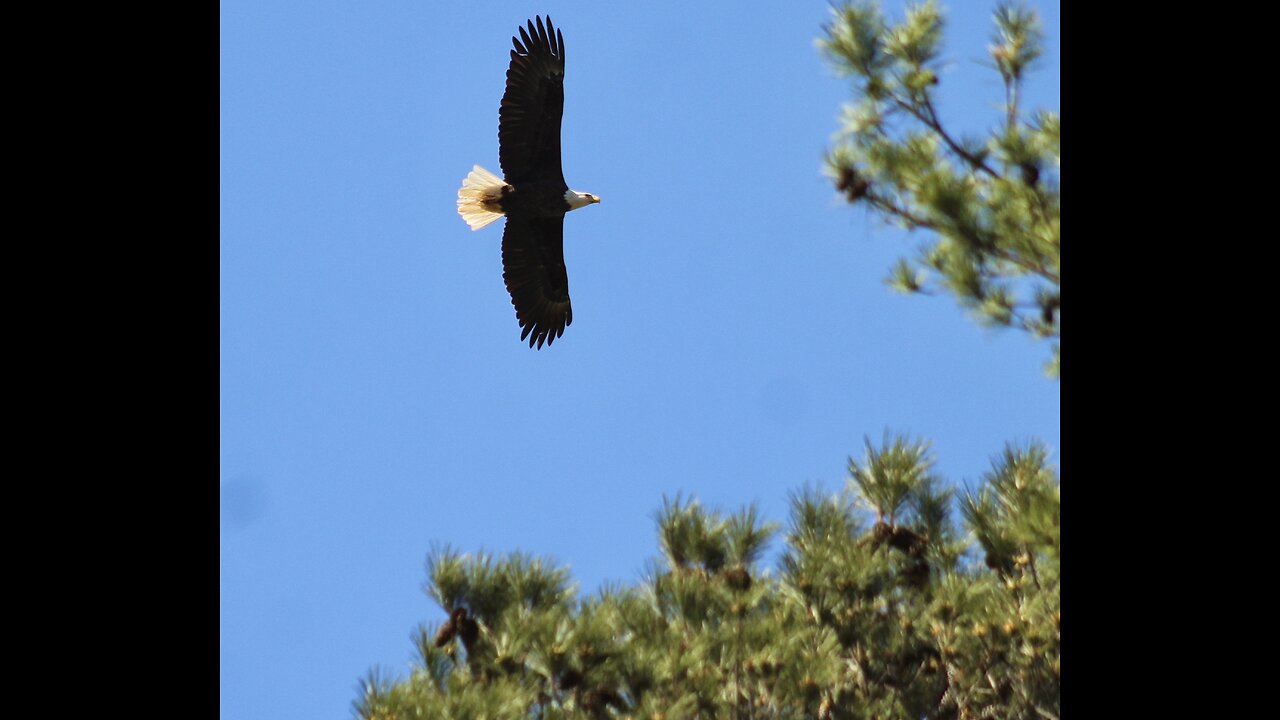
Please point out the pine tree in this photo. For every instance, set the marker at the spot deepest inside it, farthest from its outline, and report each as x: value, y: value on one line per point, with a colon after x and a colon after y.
x: 993, y: 206
x: 881, y: 608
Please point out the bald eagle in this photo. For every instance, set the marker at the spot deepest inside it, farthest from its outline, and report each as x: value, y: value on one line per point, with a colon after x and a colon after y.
x: 532, y: 194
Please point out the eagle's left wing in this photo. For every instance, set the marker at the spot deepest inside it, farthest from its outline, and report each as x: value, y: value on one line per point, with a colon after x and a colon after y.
x: 533, y: 269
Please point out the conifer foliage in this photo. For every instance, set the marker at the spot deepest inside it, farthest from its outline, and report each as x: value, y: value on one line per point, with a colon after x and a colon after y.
x: 879, y: 606
x: 991, y: 206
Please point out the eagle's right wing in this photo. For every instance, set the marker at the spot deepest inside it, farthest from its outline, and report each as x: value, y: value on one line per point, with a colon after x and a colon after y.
x: 529, y: 118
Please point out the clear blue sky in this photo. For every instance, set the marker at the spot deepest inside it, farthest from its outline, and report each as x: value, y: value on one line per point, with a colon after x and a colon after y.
x: 732, y: 336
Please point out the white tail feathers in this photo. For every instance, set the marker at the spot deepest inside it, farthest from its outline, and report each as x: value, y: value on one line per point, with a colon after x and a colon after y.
x: 479, y: 196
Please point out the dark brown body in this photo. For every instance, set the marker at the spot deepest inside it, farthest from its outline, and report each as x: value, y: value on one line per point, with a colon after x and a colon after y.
x: 536, y: 198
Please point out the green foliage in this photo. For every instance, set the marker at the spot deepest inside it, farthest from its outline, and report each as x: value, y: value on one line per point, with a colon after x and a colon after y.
x: 891, y: 474
x: 875, y: 612
x: 993, y: 206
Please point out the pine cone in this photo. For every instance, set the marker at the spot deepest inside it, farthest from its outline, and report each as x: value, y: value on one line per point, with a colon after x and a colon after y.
x: 1030, y: 173
x: 450, y: 627
x: 570, y: 679
x: 469, y: 631
x: 907, y: 541
x: 599, y: 697
x: 1002, y: 565
x: 918, y: 573
x: 853, y: 185
x: 738, y: 578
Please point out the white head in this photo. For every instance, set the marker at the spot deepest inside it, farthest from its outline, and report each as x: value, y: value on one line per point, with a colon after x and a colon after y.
x: 577, y: 199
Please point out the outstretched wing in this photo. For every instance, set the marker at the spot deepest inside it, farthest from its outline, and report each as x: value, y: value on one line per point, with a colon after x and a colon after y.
x: 533, y: 268
x: 529, y: 118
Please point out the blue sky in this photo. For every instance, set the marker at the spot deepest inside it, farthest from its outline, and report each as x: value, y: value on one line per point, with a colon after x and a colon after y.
x: 732, y: 339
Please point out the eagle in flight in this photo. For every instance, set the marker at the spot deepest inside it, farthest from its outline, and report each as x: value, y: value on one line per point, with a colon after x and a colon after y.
x: 532, y: 194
